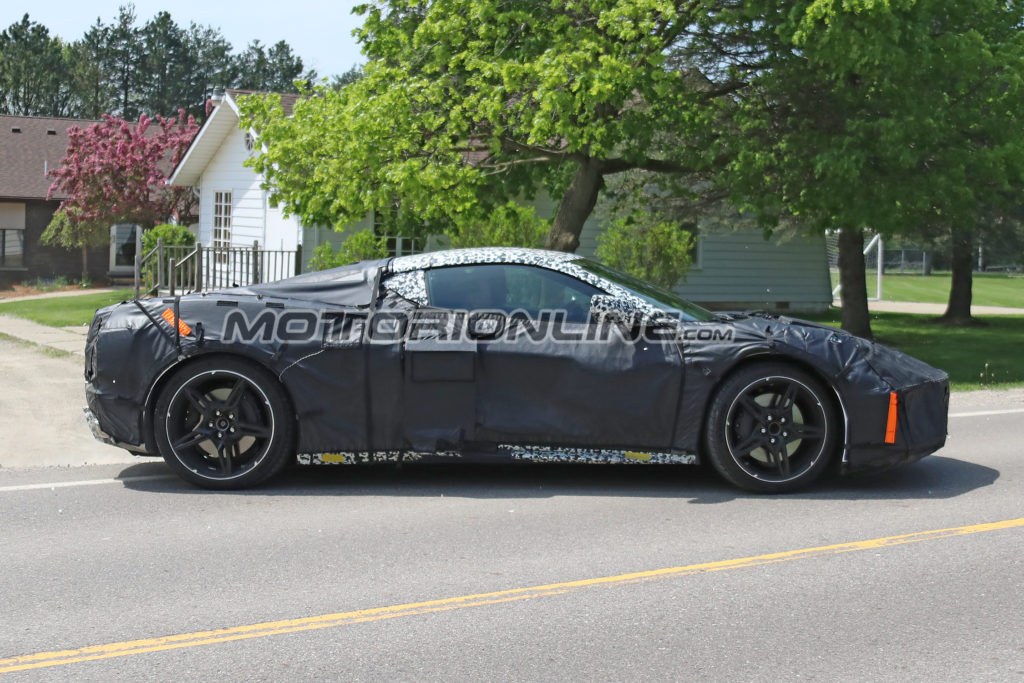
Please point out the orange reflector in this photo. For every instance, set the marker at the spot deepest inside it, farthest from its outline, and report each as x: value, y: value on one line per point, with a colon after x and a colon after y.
x: 183, y: 329
x: 890, y: 425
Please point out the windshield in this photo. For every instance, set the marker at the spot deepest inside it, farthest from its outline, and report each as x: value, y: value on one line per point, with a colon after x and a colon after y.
x: 668, y: 301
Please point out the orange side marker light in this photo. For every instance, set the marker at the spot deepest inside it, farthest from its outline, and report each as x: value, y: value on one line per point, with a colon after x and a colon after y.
x: 183, y: 328
x: 890, y: 425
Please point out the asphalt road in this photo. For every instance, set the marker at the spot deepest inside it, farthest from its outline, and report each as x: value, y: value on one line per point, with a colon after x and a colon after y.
x: 522, y: 573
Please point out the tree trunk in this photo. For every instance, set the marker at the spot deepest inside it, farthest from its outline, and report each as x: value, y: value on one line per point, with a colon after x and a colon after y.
x: 854, y: 291
x: 576, y: 206
x: 958, y: 311
x: 85, y: 263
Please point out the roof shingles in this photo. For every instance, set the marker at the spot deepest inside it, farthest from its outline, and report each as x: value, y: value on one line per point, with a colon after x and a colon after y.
x: 29, y: 146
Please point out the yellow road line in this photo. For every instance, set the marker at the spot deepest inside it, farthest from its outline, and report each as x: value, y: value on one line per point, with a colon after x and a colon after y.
x: 272, y: 628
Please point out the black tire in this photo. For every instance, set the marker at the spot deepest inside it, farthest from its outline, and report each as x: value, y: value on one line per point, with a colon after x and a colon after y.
x: 223, y: 423
x: 771, y: 428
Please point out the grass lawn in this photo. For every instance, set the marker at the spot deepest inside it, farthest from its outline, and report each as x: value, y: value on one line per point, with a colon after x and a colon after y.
x: 63, y: 310
x: 961, y: 352
x: 990, y: 289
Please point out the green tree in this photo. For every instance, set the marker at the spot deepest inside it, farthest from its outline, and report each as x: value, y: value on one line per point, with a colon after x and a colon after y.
x: 466, y: 104
x: 897, y: 116
x: 33, y: 72
x: 214, y: 67
x: 167, y: 63
x: 123, y: 53
x: 87, y: 59
x: 273, y: 70
x: 68, y: 230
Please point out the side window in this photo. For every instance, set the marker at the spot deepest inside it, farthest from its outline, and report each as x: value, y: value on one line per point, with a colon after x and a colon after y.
x: 509, y: 288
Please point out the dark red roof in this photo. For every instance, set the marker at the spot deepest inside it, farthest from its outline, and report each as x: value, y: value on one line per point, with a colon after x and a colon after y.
x: 29, y: 146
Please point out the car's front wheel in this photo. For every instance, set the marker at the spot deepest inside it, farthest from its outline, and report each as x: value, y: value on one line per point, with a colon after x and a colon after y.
x: 223, y: 423
x: 771, y: 428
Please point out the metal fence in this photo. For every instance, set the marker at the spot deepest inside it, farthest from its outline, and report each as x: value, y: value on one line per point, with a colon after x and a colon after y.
x: 173, y: 270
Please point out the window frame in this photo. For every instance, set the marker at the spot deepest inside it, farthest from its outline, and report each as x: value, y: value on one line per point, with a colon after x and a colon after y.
x: 4, y: 265
x: 221, y: 225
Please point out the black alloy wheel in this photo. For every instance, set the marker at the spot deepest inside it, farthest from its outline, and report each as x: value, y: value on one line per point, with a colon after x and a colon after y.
x: 223, y: 423
x: 771, y: 429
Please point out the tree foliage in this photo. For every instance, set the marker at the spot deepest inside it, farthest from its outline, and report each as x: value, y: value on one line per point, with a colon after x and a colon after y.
x: 658, y: 251
x: 899, y: 116
x: 115, y: 172
x: 273, y: 69
x: 466, y: 104
x: 32, y: 70
x: 127, y: 67
x: 169, y: 234
x: 359, y: 246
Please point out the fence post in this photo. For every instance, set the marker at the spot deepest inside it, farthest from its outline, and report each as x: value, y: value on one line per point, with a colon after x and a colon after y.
x: 159, y: 263
x: 171, y: 268
x: 199, y: 268
x: 256, y: 262
x: 298, y: 259
x: 138, y: 259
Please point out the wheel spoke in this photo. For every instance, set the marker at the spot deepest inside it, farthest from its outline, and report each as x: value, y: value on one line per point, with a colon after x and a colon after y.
x: 235, y: 397
x: 255, y: 430
x: 753, y: 408
x: 780, y: 457
x: 784, y: 402
x: 193, y: 438
x: 225, y: 453
x: 198, y: 400
x: 753, y: 440
x: 805, y: 431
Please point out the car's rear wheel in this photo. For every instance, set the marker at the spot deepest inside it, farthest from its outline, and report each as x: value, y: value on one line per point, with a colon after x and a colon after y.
x: 771, y: 428
x: 223, y: 423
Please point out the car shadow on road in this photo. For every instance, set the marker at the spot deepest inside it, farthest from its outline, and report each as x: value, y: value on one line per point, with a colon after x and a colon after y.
x: 933, y: 477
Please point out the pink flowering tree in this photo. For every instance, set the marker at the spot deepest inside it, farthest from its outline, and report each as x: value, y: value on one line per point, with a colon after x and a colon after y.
x: 116, y: 172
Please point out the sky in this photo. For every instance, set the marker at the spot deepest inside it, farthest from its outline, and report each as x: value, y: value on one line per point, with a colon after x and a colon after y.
x: 318, y: 31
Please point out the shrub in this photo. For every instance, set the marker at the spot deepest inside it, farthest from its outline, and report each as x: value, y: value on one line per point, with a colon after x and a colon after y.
x: 358, y: 247
x: 171, y: 235
x: 658, y: 251
x: 176, y: 235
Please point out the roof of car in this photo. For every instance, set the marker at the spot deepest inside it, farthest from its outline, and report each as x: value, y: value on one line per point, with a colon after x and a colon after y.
x: 455, y: 257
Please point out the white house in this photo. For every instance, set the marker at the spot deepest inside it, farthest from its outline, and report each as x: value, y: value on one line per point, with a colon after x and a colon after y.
x: 733, y: 268
x: 234, y: 210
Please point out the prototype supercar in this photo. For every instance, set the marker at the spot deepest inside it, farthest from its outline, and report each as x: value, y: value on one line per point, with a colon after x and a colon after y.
x: 491, y: 353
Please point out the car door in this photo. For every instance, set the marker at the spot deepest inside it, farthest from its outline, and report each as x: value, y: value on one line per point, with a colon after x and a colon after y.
x: 546, y: 374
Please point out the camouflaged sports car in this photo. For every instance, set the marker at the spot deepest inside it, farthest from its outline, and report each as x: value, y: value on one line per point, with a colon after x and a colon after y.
x: 483, y: 354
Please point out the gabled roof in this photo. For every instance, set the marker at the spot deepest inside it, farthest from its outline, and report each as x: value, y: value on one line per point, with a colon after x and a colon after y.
x: 288, y: 100
x: 29, y: 147
x: 222, y: 120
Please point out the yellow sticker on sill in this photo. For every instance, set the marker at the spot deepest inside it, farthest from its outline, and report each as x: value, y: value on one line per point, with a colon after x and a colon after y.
x: 332, y: 457
x: 634, y: 455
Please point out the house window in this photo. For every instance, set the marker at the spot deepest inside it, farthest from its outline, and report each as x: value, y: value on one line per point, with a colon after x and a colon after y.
x: 12, y: 235
x: 385, y: 225
x: 221, y: 225
x: 12, y: 248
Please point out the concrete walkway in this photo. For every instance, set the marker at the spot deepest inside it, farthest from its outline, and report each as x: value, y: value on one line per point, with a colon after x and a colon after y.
x: 933, y: 309
x: 54, y: 295
x: 69, y: 339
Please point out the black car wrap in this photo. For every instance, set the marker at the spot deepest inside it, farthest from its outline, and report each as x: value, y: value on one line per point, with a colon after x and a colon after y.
x: 486, y: 396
